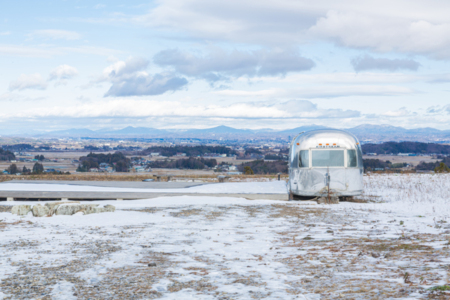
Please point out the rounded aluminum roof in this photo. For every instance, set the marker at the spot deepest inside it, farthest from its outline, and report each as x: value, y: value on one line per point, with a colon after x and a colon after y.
x: 335, y: 138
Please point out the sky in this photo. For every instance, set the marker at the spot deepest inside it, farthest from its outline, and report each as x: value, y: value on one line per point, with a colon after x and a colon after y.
x: 245, y: 64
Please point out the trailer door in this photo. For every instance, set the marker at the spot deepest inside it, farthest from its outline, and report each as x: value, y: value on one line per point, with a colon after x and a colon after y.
x: 332, y: 161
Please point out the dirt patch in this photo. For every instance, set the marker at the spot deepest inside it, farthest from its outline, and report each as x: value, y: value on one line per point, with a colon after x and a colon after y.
x: 5, y: 208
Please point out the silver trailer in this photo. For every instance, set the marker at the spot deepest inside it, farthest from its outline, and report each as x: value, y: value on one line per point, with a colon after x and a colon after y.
x: 323, y: 162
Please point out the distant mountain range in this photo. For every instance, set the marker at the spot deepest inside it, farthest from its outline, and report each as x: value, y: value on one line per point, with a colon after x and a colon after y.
x: 366, y: 132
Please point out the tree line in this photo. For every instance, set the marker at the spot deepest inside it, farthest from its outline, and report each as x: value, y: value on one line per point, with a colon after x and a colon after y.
x: 263, y: 167
x: 440, y: 166
x: 38, y: 168
x: 405, y: 147
x: 6, y: 155
x: 372, y: 164
x: 432, y: 166
x: 185, y: 163
x: 191, y: 151
x: 117, y: 161
x: 39, y: 157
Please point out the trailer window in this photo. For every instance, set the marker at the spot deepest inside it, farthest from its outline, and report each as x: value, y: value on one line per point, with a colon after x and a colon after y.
x: 328, y: 158
x: 351, y: 159
x: 303, y: 159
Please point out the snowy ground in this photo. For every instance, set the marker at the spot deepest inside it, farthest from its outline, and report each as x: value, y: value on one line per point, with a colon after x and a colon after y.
x: 273, y: 187
x: 396, y: 246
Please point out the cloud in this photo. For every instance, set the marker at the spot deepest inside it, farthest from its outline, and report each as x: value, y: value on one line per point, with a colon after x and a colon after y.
x: 344, y: 78
x: 120, y: 68
x: 128, y: 78
x: 219, y: 64
x: 385, y: 33
x: 402, y: 112
x: 400, y: 26
x: 5, y: 33
x: 269, y: 22
x: 50, y: 51
x: 307, y: 109
x: 63, y: 72
x: 14, y: 97
x: 260, y: 93
x: 24, y: 51
x: 439, y: 78
x: 33, y: 81
x: 367, y: 62
x: 55, y: 34
x: 323, y: 92
x: 139, y: 108
x: 10, y: 97
x: 99, y: 6
x: 439, y: 109
x: 144, y: 84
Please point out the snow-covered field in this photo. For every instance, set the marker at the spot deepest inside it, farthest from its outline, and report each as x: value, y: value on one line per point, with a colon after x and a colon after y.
x: 395, y: 246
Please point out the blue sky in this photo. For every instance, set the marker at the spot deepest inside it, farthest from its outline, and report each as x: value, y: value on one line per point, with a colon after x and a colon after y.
x: 246, y: 64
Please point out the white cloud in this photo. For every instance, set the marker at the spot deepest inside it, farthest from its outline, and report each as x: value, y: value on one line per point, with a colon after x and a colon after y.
x: 402, y: 112
x: 56, y: 34
x: 128, y: 78
x: 120, y: 68
x: 15, y: 97
x: 367, y: 62
x: 437, y: 109
x: 219, y: 64
x: 438, y: 78
x: 271, y: 22
x: 112, y: 59
x: 50, y: 51
x: 136, y: 108
x: 323, y: 92
x: 141, y: 84
x: 261, y: 93
x: 63, y: 72
x: 10, y: 97
x: 385, y: 34
x: 33, y: 81
x: 346, y: 78
x: 24, y: 51
x: 5, y: 33
x: 409, y: 26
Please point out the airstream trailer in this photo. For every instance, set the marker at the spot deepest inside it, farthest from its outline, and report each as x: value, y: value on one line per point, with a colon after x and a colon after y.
x: 325, y: 160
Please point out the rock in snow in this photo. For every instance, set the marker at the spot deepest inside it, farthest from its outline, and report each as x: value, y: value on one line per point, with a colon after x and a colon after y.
x: 40, y: 211
x: 94, y: 210
x: 73, y: 209
x: 60, y: 208
x: 21, y: 210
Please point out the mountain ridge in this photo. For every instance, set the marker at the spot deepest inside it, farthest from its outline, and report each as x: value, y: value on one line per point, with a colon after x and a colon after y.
x: 380, y: 132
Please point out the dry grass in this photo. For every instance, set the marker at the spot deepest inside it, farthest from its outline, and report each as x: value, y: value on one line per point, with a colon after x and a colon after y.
x: 5, y: 224
x: 291, y: 211
x: 133, y: 177
x: 395, y: 246
x: 187, y: 213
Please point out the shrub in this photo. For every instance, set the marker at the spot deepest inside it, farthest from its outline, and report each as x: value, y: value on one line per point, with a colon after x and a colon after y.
x: 442, y: 168
x: 13, y: 169
x: 248, y: 171
x: 38, y: 168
